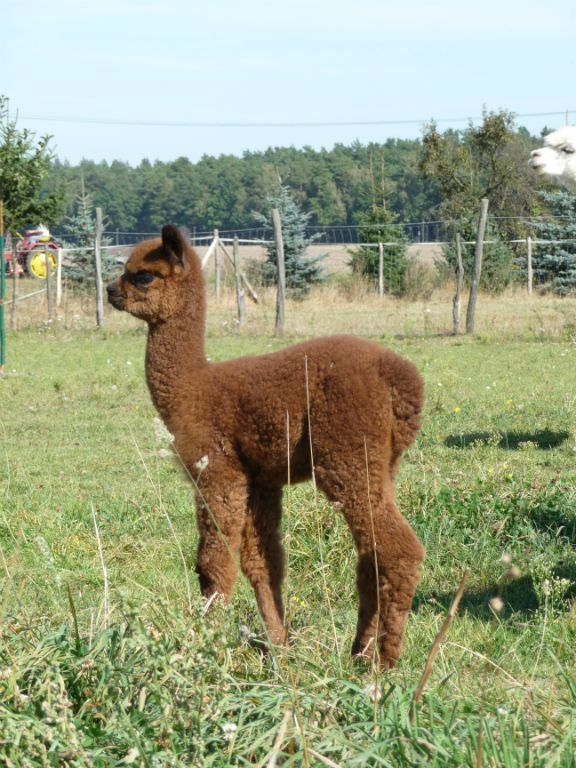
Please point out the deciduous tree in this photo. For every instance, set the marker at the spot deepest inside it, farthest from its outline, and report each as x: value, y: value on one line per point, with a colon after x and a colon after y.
x: 487, y: 161
x: 24, y: 165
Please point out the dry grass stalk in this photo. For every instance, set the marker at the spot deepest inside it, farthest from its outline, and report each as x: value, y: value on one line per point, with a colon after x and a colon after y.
x: 279, y: 740
x: 436, y: 645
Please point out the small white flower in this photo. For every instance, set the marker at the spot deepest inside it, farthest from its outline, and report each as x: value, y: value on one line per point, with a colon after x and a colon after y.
x: 506, y: 559
x: 373, y: 692
x: 228, y: 731
x: 497, y: 604
x: 201, y: 464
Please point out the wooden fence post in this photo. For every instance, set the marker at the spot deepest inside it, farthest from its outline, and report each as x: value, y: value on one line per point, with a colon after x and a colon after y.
x: 281, y: 273
x: 48, y: 264
x: 529, y: 264
x: 380, y: 269
x: 59, y: 256
x: 217, y: 264
x: 98, y: 269
x: 238, y: 280
x: 477, y: 268
x: 459, y: 284
x: 220, y: 244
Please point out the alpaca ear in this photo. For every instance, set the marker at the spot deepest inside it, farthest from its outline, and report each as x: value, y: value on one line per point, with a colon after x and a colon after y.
x: 173, y: 241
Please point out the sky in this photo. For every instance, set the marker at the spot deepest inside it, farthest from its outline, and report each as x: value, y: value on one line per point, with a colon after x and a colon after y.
x: 130, y: 80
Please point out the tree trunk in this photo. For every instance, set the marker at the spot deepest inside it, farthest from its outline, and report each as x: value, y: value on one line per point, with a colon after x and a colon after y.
x: 477, y: 268
x: 281, y: 274
x: 459, y: 283
x: 98, y: 269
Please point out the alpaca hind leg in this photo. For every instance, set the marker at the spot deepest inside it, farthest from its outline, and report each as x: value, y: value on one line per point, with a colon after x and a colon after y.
x: 220, y: 519
x: 389, y: 557
x: 262, y: 558
x: 388, y: 572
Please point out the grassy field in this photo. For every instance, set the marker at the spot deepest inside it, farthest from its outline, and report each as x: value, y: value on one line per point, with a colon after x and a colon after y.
x: 107, y: 657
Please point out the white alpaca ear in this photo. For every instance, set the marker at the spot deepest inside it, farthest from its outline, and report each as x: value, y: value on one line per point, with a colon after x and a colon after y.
x: 173, y: 240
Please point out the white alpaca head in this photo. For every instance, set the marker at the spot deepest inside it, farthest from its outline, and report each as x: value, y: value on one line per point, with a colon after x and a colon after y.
x: 557, y: 158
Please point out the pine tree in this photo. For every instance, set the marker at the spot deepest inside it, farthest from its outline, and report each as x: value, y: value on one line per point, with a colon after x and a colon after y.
x: 301, y: 272
x: 81, y: 227
x: 554, y: 265
x: 379, y: 225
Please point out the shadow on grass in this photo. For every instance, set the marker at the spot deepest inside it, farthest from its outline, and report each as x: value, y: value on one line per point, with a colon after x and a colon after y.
x: 544, y: 439
x: 560, y: 524
x: 518, y: 595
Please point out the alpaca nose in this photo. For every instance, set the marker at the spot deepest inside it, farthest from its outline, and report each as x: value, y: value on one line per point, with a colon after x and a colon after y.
x: 112, y: 289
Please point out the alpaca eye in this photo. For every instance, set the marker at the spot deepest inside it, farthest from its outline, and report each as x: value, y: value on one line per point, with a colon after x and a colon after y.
x: 568, y: 150
x: 142, y: 278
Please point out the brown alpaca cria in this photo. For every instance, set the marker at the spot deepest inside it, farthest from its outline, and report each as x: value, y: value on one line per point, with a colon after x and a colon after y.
x: 341, y: 406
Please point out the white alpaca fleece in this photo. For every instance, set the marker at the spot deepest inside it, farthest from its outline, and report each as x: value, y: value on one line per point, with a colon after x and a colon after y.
x: 557, y: 158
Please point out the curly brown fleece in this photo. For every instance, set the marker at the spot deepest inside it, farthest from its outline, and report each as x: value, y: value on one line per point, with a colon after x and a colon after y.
x: 339, y: 407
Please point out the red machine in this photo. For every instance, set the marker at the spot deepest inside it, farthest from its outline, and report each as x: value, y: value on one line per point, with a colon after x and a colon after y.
x: 34, y: 251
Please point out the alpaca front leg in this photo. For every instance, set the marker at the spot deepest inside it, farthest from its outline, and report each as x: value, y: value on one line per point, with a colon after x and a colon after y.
x: 262, y: 558
x: 220, y: 528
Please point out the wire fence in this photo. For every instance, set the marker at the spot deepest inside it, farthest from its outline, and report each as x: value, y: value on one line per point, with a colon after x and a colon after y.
x: 252, y: 243
x: 415, y: 232
x: 350, y: 234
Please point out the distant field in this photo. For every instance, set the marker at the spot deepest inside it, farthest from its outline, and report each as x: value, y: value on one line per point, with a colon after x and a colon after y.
x: 106, y: 656
x: 336, y: 257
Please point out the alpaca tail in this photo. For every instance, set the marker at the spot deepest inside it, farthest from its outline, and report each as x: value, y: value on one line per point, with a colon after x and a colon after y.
x: 407, y: 393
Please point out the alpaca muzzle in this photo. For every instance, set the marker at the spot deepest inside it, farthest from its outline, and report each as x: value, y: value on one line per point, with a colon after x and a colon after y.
x: 115, y: 296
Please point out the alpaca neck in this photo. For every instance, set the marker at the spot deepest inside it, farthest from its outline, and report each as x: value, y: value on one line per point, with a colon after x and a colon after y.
x: 174, y: 357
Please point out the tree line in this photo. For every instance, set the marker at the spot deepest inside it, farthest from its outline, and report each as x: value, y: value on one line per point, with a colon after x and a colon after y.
x: 336, y: 187
x: 441, y: 176
x: 376, y: 187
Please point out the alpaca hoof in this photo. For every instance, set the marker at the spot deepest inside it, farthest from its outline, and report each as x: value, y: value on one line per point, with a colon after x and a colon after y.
x: 251, y: 639
x: 384, y: 663
x: 368, y: 653
x: 279, y: 637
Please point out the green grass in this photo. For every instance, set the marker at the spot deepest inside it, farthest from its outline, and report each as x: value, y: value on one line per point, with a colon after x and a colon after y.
x: 107, y: 657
